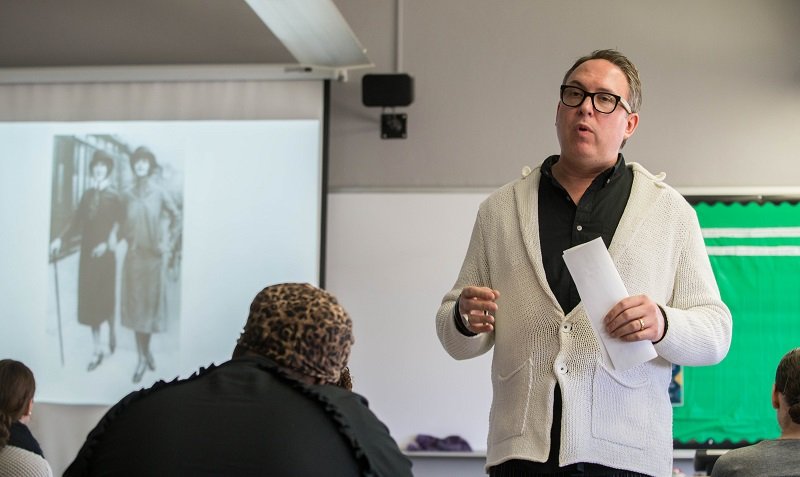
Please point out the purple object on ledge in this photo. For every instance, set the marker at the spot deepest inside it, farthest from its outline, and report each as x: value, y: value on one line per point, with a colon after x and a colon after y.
x: 424, y: 442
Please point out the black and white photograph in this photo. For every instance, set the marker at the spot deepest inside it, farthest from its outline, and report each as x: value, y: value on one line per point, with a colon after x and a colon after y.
x: 138, y: 244
x: 115, y: 253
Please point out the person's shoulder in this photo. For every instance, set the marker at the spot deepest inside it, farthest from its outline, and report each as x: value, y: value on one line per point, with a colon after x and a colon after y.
x: 21, y: 436
x: 528, y: 177
x: 504, y: 195
x: 641, y: 173
x: 654, y: 184
x: 740, y: 460
x: 347, y: 405
x: 157, y: 391
x: 340, y: 396
x: 773, y: 447
x: 366, y: 431
x: 23, y: 463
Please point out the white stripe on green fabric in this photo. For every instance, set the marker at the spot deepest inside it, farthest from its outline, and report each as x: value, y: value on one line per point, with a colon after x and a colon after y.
x: 751, y: 250
x: 751, y: 232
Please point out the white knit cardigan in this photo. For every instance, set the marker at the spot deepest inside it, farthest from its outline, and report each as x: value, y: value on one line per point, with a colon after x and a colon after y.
x: 621, y: 419
x: 18, y: 462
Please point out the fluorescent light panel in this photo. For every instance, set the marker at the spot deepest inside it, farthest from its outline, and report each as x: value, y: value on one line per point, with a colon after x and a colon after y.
x: 313, y: 31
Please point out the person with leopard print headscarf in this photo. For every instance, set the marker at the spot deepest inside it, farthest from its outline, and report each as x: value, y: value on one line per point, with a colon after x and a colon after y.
x: 282, y: 406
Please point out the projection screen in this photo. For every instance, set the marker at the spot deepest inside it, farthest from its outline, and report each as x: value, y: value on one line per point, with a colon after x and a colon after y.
x: 99, y: 261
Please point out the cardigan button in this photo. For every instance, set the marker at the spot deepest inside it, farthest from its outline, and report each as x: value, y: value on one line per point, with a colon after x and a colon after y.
x: 566, y: 327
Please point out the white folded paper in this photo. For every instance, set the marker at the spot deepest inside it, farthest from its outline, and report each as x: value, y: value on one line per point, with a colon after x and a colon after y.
x: 600, y: 288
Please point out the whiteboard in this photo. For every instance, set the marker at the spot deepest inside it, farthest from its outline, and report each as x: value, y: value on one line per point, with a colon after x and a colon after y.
x: 391, y: 257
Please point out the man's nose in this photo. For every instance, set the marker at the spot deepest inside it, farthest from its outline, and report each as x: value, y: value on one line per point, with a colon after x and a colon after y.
x: 587, y: 105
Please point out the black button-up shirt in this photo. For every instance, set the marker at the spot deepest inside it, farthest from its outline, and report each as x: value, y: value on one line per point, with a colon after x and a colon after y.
x: 562, y: 225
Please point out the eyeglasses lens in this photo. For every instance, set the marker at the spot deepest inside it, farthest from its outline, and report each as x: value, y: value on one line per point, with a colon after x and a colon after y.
x: 603, y: 102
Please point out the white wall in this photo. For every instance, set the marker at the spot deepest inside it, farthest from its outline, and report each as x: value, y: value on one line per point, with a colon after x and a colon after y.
x: 391, y: 259
x: 721, y: 87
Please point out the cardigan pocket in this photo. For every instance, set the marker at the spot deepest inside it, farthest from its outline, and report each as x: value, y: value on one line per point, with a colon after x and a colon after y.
x: 620, y: 403
x: 510, y: 403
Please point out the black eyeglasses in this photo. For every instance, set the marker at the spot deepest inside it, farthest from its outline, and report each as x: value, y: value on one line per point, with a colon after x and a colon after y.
x: 603, y: 102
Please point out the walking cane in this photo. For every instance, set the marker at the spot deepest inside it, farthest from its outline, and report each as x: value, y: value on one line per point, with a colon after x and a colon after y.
x: 58, y: 310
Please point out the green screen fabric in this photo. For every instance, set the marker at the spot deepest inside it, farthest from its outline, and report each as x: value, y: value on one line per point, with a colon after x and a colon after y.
x: 755, y: 253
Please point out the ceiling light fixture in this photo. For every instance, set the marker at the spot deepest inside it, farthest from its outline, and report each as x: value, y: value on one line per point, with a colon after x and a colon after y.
x: 314, y: 32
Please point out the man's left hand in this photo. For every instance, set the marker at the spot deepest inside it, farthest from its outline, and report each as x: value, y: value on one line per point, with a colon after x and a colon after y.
x: 635, y: 318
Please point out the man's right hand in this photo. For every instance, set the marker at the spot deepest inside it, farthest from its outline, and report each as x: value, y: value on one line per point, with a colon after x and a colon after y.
x: 477, y: 306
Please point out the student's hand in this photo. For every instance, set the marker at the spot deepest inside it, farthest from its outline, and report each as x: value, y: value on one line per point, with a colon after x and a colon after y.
x: 635, y: 318
x: 477, y: 306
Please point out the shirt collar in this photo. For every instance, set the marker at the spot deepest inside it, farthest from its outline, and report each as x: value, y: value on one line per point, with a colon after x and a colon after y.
x: 612, y: 173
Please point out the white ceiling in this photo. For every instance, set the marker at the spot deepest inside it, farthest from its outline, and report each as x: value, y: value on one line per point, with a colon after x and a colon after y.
x: 39, y: 35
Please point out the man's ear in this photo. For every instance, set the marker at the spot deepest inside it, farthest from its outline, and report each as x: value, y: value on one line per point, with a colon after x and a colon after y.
x: 558, y: 106
x: 631, y: 124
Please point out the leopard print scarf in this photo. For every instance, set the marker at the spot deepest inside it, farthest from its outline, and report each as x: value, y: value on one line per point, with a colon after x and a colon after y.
x: 301, y: 328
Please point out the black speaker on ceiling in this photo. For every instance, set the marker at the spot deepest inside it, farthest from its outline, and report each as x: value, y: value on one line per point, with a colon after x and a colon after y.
x: 387, y: 90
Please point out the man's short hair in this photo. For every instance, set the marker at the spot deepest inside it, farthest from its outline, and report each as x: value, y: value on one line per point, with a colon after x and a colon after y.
x: 623, y: 63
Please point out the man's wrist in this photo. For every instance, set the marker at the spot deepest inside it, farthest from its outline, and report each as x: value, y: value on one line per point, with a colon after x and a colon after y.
x: 462, y: 325
x: 666, y: 325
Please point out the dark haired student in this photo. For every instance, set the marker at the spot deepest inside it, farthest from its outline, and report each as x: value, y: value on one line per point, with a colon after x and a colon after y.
x: 774, y: 457
x: 20, y: 453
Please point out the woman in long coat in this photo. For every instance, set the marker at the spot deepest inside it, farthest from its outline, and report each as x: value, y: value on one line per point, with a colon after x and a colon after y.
x: 96, y: 221
x: 151, y: 230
